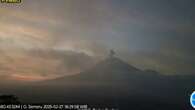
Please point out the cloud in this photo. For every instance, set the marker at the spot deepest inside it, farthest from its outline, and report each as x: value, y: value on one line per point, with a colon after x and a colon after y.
x: 40, y: 64
x: 156, y: 35
x: 168, y: 61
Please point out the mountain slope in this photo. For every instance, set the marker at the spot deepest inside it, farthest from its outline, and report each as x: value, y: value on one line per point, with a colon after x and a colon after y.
x: 116, y: 83
x: 109, y: 70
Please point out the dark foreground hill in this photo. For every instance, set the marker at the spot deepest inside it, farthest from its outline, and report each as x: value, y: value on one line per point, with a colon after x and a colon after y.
x: 114, y: 83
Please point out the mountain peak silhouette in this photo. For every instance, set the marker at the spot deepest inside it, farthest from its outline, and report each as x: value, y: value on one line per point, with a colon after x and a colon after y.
x: 110, y: 70
x: 113, y: 64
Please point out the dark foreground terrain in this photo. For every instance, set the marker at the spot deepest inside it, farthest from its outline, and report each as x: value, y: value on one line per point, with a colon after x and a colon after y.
x: 112, y: 83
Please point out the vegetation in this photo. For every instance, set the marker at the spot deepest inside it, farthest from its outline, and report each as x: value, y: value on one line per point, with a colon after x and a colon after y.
x: 9, y: 99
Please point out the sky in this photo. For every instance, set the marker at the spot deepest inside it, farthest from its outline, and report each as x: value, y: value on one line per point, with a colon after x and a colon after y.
x: 44, y: 39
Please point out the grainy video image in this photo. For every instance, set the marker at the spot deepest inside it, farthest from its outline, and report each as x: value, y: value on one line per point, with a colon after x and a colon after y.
x: 97, y: 54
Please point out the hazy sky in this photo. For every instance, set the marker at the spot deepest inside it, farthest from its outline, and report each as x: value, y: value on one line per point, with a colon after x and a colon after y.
x: 47, y: 38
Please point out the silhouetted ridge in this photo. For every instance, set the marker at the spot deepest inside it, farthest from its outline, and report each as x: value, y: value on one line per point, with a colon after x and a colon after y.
x: 114, y: 82
x: 109, y: 70
x: 114, y: 63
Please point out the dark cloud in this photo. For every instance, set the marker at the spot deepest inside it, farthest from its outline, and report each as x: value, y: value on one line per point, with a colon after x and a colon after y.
x: 70, y: 62
x: 167, y: 62
x: 155, y: 34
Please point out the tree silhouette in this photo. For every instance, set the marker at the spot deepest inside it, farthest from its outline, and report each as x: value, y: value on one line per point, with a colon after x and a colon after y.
x: 9, y: 99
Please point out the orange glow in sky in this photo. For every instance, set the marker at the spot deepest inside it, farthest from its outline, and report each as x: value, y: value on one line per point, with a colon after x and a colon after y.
x: 27, y: 77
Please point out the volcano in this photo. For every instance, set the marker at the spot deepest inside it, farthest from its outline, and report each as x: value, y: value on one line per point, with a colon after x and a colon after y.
x: 113, y: 83
x: 114, y: 72
x: 111, y: 70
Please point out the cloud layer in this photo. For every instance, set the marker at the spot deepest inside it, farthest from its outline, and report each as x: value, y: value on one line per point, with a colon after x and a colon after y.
x: 154, y: 34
